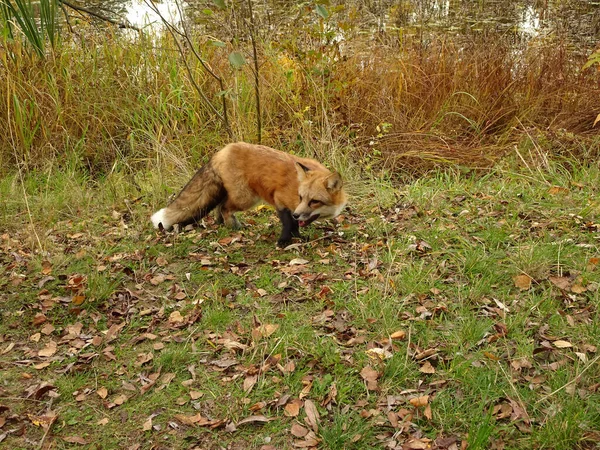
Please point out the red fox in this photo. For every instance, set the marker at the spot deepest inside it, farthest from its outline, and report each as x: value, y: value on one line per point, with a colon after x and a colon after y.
x: 240, y: 175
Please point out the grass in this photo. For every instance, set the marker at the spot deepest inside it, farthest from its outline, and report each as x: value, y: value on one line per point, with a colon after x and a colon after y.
x: 455, y: 302
x: 436, y: 258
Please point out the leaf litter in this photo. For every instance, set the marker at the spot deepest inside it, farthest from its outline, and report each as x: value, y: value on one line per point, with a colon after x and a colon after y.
x: 156, y: 305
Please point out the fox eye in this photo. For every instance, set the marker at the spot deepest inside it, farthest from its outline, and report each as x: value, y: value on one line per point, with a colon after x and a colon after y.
x: 314, y: 203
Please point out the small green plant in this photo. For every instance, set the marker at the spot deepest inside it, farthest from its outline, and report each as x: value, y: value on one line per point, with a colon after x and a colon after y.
x: 22, y: 14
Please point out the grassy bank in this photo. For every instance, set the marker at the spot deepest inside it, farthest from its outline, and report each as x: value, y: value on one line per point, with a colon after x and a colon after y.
x: 459, y: 309
x: 399, y: 100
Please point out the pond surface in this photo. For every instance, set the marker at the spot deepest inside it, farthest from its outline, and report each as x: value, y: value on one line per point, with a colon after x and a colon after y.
x: 576, y: 20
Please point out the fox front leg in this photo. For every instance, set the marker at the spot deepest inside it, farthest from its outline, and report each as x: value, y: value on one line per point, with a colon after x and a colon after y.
x: 289, y: 229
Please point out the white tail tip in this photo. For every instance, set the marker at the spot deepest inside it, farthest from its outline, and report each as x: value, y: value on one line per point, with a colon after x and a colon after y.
x: 159, y: 217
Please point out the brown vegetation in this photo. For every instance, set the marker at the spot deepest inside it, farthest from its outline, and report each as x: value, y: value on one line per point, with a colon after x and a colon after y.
x: 104, y: 100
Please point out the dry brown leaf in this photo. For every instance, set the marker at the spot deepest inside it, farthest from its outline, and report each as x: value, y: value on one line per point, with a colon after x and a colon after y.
x: 419, y: 401
x: 253, y: 420
x: 147, y: 426
x: 427, y: 412
x: 249, y: 383
x: 416, y: 444
x: 398, y: 335
x: 75, y: 440
x: 119, y: 400
x: 561, y: 282
x: 292, y: 409
x: 39, y: 319
x: 192, y: 420
x: 103, y: 421
x: 8, y: 348
x: 369, y: 374
x: 48, y: 350
x: 298, y: 430
x: 562, y: 344
x: 47, y: 329
x: 523, y: 282
x: 161, y: 261
x: 45, y: 421
x: 143, y: 358
x: 158, y: 279
x: 195, y: 395
x: 102, y: 392
x: 298, y: 262
x: 427, y: 368
x: 555, y: 190
x: 312, y: 415
x: 176, y: 317
x: 265, y: 330
x: 113, y: 332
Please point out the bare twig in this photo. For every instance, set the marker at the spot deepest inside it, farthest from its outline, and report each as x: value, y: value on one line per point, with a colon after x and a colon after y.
x: 174, y: 31
x: 256, y: 78
x: 99, y: 16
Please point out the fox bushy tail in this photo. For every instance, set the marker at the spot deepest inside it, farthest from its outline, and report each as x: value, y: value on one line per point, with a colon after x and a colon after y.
x: 202, y: 194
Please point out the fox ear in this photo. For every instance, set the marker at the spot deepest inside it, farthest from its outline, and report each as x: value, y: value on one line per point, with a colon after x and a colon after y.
x: 334, y: 182
x: 301, y: 169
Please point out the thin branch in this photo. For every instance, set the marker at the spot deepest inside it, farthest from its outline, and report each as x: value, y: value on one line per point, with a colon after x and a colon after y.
x: 174, y: 31
x: 99, y: 16
x: 256, y: 78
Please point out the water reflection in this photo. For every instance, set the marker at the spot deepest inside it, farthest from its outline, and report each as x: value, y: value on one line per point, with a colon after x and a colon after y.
x: 142, y: 15
x: 577, y: 20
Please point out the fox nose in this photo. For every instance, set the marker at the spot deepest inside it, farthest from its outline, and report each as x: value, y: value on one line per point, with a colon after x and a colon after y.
x: 296, y: 216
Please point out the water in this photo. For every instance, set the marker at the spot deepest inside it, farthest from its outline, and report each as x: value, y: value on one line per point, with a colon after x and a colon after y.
x: 577, y: 21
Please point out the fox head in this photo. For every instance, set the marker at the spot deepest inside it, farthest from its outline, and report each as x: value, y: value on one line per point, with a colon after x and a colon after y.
x: 321, y: 195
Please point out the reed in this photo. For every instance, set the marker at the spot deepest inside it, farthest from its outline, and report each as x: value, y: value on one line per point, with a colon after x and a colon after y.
x: 127, y: 100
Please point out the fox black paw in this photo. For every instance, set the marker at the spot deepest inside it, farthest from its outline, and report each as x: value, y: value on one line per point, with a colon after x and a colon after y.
x: 283, y: 243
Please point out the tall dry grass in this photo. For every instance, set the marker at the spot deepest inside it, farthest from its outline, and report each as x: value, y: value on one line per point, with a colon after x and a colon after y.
x: 106, y: 101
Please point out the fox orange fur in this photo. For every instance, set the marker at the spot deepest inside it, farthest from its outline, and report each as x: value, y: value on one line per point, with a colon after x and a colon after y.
x: 240, y: 175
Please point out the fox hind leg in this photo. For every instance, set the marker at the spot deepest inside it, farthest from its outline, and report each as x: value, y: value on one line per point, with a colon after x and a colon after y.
x: 225, y: 215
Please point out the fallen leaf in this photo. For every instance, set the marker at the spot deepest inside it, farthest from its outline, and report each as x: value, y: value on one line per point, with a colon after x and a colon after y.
x: 75, y: 440
x: 147, y: 426
x: 253, y: 420
x: 48, y: 350
x: 312, y: 415
x: 195, y: 395
x: 265, y: 330
x: 427, y: 368
x: 562, y: 344
x: 298, y: 262
x: 398, y: 335
x: 554, y: 190
x: 249, y: 383
x: 561, y: 282
x: 298, y: 430
x: 120, y: 399
x: 369, y: 374
x: 102, y: 392
x: 292, y: 409
x: 161, y: 261
x: 419, y: 401
x: 427, y: 412
x: 176, y: 317
x: 192, y: 420
x: 45, y: 421
x: 523, y: 282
